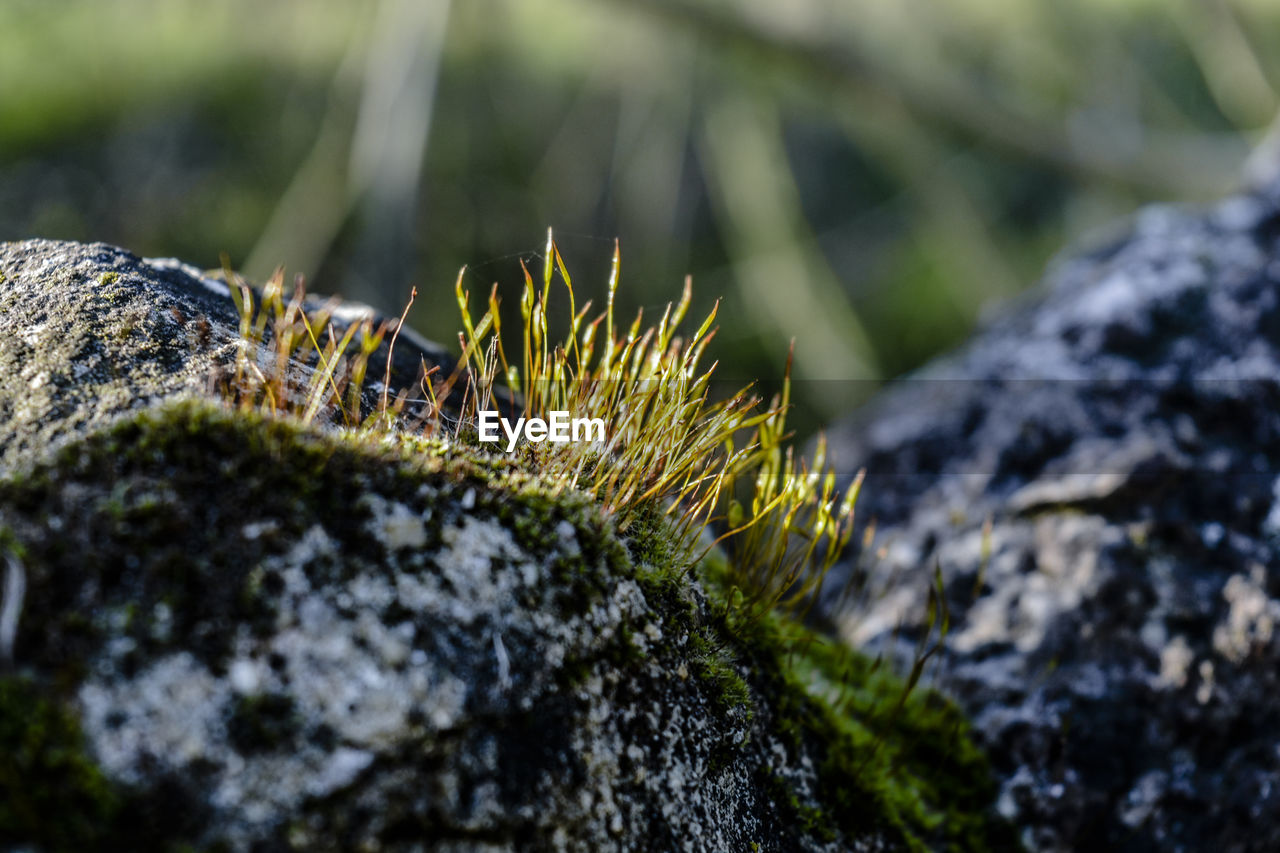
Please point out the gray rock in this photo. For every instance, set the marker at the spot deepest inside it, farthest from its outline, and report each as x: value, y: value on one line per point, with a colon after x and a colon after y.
x: 1118, y: 650
x: 90, y: 331
x: 226, y: 631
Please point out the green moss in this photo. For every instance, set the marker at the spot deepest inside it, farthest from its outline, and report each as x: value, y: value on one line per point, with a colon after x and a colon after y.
x: 51, y: 794
x: 893, y: 762
x: 626, y: 651
x: 145, y: 481
x: 649, y: 539
x: 714, y: 665
x: 9, y: 543
x: 809, y: 817
x: 904, y: 768
x: 108, y: 278
x: 55, y: 798
x: 900, y: 761
x: 897, y: 761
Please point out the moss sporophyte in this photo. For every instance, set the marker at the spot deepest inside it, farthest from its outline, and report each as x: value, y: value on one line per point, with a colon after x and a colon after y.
x: 692, y: 484
x: 814, y: 738
x: 643, y: 431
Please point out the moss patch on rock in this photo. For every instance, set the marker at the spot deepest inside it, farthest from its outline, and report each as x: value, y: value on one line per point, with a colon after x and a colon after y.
x: 52, y: 794
x: 89, y: 332
x: 314, y: 641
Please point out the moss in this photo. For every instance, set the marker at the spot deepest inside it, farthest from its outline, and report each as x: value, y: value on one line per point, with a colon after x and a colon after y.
x: 892, y: 762
x: 108, y: 278
x: 9, y: 543
x: 714, y: 665
x: 145, y: 481
x: 625, y: 651
x: 810, y: 818
x: 896, y: 760
x: 649, y: 538
x: 901, y: 768
x: 45, y: 773
x: 55, y: 798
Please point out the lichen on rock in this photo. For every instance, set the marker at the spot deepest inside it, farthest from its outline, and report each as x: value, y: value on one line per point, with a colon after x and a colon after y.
x: 1112, y: 630
x: 330, y: 651
x: 88, y: 332
x: 241, y: 632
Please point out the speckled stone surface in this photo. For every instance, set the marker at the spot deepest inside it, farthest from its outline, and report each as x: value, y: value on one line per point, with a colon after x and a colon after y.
x: 226, y: 631
x: 384, y: 652
x: 90, y: 331
x: 1121, y: 428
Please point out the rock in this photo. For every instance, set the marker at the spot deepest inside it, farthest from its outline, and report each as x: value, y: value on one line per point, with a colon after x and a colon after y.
x: 90, y: 331
x: 223, y: 630
x: 1118, y: 650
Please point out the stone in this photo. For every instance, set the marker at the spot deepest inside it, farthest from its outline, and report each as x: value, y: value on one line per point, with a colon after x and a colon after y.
x: 229, y: 630
x: 1113, y: 632
x: 90, y: 331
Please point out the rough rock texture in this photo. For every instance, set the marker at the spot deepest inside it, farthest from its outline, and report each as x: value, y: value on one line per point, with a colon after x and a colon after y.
x: 90, y: 331
x: 1118, y: 650
x: 221, y: 631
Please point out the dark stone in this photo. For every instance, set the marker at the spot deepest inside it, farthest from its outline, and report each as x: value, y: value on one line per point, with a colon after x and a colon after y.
x: 1121, y: 429
x: 88, y: 332
x: 225, y: 630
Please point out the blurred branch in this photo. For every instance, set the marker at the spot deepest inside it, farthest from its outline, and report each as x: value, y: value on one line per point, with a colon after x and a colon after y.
x: 1184, y: 165
x: 1227, y: 61
x: 390, y: 143
x: 647, y: 163
x: 948, y: 218
x: 310, y: 212
x: 367, y: 154
x: 787, y: 283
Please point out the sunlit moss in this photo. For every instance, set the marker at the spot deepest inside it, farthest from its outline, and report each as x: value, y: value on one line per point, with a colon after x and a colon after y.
x: 670, y: 448
x: 904, y: 770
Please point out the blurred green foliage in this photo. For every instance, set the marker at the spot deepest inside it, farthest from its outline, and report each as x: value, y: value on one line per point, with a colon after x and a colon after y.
x: 862, y: 176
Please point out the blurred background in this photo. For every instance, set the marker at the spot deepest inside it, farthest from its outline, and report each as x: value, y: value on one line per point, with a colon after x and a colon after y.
x: 862, y: 176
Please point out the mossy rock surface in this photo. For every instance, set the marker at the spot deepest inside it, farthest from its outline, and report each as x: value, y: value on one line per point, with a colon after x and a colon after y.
x: 88, y: 332
x: 236, y: 632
